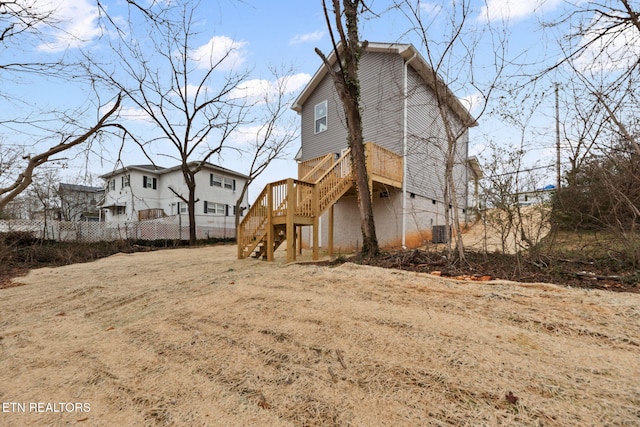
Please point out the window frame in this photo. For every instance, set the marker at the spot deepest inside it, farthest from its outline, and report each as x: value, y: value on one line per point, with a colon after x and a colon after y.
x: 216, y: 180
x: 149, y: 182
x: 317, y: 119
x: 214, y: 208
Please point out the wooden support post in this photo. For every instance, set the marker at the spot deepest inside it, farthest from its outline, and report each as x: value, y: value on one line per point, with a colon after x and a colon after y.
x: 316, y: 222
x: 270, y: 228
x: 299, y: 239
x: 240, y: 240
x: 331, y: 231
x: 290, y: 230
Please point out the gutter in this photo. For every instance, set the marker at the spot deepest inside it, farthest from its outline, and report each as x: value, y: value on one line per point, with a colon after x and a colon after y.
x: 404, y: 151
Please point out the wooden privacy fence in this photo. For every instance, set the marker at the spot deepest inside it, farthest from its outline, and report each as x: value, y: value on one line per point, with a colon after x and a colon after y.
x: 168, y: 228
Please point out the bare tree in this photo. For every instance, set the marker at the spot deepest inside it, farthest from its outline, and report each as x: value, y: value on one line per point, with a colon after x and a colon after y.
x: 274, y: 133
x: 66, y: 142
x: 348, y: 50
x: 601, y: 56
x: 454, y: 56
x: 184, y: 90
x: 54, y: 132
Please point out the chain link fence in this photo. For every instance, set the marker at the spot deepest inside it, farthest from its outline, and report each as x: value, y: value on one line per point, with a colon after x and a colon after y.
x: 174, y: 227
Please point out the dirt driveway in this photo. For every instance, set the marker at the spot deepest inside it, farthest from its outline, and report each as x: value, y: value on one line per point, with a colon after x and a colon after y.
x: 196, y: 337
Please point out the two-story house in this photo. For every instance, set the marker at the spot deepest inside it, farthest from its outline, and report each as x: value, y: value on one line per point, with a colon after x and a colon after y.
x: 406, y: 152
x: 79, y: 202
x: 141, y: 192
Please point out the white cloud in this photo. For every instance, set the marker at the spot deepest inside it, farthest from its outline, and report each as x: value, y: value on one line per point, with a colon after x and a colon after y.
x: 431, y: 9
x: 247, y: 136
x: 191, y: 90
x: 296, y: 82
x: 307, y: 37
x: 472, y: 102
x: 222, y: 52
x: 76, y: 23
x: 130, y: 114
x: 617, y: 50
x: 515, y: 10
x: 260, y: 90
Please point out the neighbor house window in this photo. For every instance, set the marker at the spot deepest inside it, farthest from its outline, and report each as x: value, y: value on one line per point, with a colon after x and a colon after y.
x: 120, y: 210
x: 112, y: 184
x: 215, y: 180
x: 125, y: 180
x: 215, y: 208
x: 149, y: 182
x: 321, y: 117
x: 230, y: 184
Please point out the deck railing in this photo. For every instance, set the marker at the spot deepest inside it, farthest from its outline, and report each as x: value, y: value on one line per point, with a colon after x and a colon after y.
x: 383, y: 163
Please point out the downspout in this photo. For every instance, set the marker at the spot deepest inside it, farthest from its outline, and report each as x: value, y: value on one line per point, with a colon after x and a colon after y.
x: 404, y: 151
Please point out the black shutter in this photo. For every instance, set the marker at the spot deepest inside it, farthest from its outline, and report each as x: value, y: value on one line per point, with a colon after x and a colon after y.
x: 155, y: 184
x: 144, y: 181
x: 234, y: 185
x: 211, y: 180
x: 205, y: 206
x: 226, y: 210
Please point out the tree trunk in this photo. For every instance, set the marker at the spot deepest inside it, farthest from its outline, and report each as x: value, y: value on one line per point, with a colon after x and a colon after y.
x: 347, y: 85
x: 190, y: 181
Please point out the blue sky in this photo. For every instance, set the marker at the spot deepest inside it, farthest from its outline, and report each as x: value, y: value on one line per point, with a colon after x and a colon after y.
x: 284, y: 33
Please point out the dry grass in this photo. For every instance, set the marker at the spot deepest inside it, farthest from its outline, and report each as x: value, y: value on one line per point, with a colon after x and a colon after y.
x: 196, y: 337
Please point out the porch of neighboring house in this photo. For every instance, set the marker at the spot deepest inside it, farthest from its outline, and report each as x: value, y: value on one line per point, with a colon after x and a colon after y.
x: 284, y: 207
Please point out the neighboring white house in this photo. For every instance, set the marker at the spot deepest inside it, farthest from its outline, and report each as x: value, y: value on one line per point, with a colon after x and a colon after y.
x: 140, y: 192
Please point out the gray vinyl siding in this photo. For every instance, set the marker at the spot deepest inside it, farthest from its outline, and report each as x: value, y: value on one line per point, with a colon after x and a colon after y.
x: 334, y: 139
x: 381, y: 103
x: 381, y: 87
x: 426, y: 141
x: 427, y: 145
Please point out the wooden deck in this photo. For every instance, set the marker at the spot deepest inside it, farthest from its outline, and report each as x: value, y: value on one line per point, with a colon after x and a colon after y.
x: 283, y: 207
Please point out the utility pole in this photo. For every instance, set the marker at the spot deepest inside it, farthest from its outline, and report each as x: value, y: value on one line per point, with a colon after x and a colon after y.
x: 557, y: 141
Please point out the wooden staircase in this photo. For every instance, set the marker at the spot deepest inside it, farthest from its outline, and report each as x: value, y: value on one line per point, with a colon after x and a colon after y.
x: 287, y: 204
x: 283, y: 207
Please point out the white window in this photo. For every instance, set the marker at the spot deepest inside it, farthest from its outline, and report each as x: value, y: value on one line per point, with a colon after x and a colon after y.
x: 215, y: 208
x: 125, y: 180
x: 149, y: 182
x: 320, y: 117
x: 230, y: 184
x: 184, y: 207
x: 215, y: 180
x: 112, y: 184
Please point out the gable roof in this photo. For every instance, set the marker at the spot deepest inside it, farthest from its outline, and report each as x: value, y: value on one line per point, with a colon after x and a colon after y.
x: 159, y: 170
x: 411, y: 56
x: 64, y: 187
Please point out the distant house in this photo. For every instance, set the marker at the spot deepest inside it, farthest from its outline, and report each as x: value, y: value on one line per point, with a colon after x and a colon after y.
x: 405, y: 159
x: 140, y: 192
x: 79, y: 202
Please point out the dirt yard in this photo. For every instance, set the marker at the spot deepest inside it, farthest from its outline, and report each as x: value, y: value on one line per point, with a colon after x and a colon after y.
x: 196, y: 337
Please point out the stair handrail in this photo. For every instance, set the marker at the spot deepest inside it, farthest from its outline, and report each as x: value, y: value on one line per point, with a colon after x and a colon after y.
x: 339, y: 181
x: 321, y: 165
x: 244, y: 236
